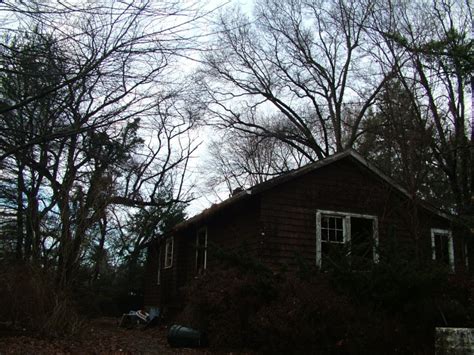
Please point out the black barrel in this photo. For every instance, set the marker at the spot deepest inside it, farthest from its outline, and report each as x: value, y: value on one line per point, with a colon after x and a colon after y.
x: 184, y: 337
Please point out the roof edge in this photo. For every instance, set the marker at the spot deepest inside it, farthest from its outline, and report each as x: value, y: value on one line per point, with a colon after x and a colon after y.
x: 392, y: 182
x: 264, y: 186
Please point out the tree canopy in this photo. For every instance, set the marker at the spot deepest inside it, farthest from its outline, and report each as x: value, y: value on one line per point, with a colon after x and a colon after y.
x: 102, y: 103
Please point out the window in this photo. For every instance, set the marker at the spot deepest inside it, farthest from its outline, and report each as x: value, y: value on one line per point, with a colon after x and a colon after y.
x: 332, y: 229
x: 350, y: 235
x: 201, y: 250
x: 169, y: 253
x: 442, y: 247
x: 158, y: 279
x: 332, y: 243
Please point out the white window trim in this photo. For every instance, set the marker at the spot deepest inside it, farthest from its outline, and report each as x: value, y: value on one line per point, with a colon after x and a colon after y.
x: 205, y: 247
x: 346, y: 231
x: 158, y: 279
x: 449, y: 234
x: 169, y: 244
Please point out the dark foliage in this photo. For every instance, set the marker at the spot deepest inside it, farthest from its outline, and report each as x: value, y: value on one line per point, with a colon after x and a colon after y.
x: 113, y: 294
x: 222, y: 302
x: 30, y: 302
x: 392, y: 308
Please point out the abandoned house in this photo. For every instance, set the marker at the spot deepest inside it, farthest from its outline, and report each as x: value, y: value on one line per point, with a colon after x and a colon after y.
x: 339, y: 203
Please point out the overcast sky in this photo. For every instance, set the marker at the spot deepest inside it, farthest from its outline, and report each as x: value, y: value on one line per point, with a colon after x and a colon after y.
x: 198, y: 169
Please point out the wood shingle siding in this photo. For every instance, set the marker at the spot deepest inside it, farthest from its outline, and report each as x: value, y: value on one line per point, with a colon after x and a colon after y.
x: 276, y: 220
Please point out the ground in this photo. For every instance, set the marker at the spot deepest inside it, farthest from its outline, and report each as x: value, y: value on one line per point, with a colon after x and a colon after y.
x: 98, y: 336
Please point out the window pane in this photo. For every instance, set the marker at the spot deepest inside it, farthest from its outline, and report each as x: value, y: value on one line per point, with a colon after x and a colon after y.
x: 201, y: 239
x: 169, y: 253
x: 332, y: 229
x: 324, y: 236
x: 333, y: 254
x: 442, y: 248
x: 362, y: 243
x: 201, y: 251
x: 324, y: 222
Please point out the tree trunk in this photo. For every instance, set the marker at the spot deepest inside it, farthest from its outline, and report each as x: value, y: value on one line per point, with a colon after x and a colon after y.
x: 100, y: 248
x: 20, y: 214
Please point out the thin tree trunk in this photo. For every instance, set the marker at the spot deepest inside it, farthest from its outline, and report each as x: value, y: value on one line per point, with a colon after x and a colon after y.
x: 471, y: 204
x: 20, y: 237
x: 100, y: 248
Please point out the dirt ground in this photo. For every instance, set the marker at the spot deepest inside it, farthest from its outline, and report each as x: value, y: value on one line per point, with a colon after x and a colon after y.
x: 100, y: 336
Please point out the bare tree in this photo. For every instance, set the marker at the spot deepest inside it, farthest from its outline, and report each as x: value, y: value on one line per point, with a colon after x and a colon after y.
x: 128, y: 44
x: 37, y: 54
x: 115, y: 130
x: 241, y: 161
x: 436, y: 67
x: 298, y: 71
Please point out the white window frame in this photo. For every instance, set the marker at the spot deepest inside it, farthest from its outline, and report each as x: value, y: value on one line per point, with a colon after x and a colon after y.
x: 449, y: 234
x: 169, y: 244
x: 200, y: 230
x: 158, y: 279
x: 346, y: 231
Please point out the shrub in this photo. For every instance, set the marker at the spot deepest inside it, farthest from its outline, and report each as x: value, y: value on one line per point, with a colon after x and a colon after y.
x: 284, y: 314
x: 29, y: 299
x: 391, y: 308
x: 221, y: 303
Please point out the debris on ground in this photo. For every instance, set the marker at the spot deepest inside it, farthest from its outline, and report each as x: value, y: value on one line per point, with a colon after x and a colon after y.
x: 140, y: 317
x: 99, y: 336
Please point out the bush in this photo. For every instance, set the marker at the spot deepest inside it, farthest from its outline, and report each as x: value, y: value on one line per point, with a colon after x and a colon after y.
x: 221, y: 303
x: 28, y: 299
x: 306, y: 317
x: 391, y: 308
x: 116, y: 291
x: 418, y: 294
x: 283, y: 314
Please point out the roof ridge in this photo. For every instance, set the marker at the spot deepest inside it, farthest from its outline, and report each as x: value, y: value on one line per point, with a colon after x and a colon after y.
x: 263, y: 186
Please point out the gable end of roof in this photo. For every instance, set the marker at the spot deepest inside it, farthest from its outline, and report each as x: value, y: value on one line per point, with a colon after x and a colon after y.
x: 293, y: 174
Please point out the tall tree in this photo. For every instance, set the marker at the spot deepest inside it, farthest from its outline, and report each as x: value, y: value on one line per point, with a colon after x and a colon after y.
x: 399, y: 144
x: 34, y: 67
x: 113, y: 131
x: 240, y: 161
x: 436, y: 66
x: 127, y: 43
x: 298, y: 71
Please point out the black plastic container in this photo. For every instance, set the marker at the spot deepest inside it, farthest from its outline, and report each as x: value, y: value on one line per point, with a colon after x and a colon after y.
x: 184, y: 337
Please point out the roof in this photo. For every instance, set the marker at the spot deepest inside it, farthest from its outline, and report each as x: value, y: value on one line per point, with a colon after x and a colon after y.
x: 269, y: 184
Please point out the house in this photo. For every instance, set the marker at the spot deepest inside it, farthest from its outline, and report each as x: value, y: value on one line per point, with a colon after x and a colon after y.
x: 339, y: 202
